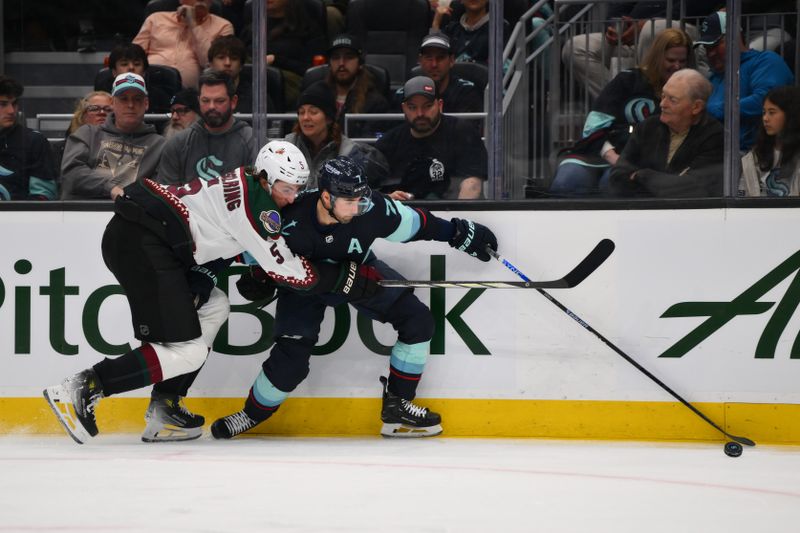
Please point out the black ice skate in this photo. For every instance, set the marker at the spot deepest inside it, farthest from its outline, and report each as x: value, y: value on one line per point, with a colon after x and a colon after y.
x: 168, y: 420
x: 401, y: 418
x: 74, y: 401
x: 229, y: 426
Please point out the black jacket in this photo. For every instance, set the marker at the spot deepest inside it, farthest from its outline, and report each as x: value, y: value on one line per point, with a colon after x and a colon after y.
x: 695, y: 169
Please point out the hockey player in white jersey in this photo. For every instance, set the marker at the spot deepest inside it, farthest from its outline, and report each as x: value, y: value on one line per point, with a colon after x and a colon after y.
x: 164, y: 246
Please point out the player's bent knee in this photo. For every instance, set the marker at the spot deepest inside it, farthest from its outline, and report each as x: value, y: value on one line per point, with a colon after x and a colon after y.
x: 178, y: 358
x: 414, y: 324
x: 288, y: 362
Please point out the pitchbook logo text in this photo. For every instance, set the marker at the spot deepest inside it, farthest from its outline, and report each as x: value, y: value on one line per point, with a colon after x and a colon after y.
x: 720, y: 313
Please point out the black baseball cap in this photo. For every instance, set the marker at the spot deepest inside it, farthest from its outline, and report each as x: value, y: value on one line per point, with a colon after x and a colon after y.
x: 345, y: 41
x: 712, y: 29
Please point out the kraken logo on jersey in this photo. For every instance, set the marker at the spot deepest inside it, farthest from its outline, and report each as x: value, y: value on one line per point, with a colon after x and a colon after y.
x: 638, y: 109
x: 436, y: 170
x: 206, y: 168
x: 271, y: 221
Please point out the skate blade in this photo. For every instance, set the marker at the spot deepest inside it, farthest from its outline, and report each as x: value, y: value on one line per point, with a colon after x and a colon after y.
x: 402, y: 431
x: 170, y: 433
x: 65, y: 412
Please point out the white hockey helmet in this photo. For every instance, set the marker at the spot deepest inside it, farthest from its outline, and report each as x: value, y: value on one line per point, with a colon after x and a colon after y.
x: 283, y: 161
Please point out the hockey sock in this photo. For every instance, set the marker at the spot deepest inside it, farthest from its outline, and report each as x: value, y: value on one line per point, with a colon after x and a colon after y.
x: 134, y: 370
x: 264, y: 398
x: 405, y: 368
x: 178, y: 385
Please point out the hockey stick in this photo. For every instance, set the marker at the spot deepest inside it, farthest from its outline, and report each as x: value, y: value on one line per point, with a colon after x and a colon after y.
x: 589, y: 264
x: 640, y: 368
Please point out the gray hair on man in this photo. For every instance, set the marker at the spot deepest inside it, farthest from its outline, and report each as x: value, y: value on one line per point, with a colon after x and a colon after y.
x: 699, y: 87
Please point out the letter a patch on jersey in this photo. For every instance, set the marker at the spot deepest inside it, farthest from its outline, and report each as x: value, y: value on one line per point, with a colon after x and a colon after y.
x: 355, y: 246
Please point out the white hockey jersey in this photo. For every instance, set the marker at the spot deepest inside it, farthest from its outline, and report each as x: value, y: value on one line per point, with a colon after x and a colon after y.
x: 230, y: 215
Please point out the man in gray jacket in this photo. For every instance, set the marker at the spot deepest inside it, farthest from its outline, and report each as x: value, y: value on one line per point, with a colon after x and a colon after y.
x: 100, y: 160
x: 216, y: 144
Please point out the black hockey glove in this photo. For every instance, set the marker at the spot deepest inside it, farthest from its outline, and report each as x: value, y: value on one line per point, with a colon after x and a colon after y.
x: 358, y: 282
x: 201, y: 282
x: 473, y: 238
x: 255, y: 285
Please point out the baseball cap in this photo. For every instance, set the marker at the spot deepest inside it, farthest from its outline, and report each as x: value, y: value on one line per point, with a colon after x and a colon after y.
x: 712, y: 29
x: 436, y: 40
x: 345, y: 41
x: 419, y: 85
x: 126, y: 82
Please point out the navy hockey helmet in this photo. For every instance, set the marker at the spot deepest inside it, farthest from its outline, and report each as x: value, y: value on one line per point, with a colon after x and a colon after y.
x: 344, y: 178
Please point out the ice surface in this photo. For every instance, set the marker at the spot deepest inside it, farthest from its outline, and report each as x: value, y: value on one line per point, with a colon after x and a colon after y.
x: 117, y: 483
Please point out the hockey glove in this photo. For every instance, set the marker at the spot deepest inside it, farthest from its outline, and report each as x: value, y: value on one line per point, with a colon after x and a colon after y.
x: 358, y: 282
x: 473, y: 238
x: 201, y: 282
x: 255, y: 285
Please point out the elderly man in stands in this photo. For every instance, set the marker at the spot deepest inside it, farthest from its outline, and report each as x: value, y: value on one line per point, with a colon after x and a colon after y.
x: 181, y: 38
x: 216, y: 144
x: 100, y: 160
x: 436, y: 59
x: 759, y: 72
x: 27, y: 171
x: 184, y: 110
x: 432, y: 156
x: 678, y: 153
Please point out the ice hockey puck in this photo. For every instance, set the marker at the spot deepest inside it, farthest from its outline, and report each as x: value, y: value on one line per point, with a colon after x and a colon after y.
x: 733, y: 449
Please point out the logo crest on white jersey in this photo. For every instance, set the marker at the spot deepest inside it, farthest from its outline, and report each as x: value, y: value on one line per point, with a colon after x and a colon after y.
x: 271, y: 220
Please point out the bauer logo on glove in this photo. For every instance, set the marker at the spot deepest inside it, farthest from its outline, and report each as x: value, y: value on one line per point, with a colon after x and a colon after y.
x: 473, y: 238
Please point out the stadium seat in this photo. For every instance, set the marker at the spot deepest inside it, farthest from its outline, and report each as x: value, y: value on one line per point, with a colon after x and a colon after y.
x: 274, y: 86
x: 315, y: 9
x: 391, y: 32
x: 379, y: 73
x: 477, y: 73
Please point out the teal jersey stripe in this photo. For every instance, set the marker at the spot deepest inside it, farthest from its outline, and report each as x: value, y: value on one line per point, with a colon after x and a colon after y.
x: 409, y: 222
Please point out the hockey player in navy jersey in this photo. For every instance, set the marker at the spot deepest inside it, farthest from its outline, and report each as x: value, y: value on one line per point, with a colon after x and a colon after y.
x: 339, y: 222
x: 164, y: 246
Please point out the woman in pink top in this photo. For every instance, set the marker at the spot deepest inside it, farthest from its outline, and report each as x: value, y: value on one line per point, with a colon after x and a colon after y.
x: 181, y: 38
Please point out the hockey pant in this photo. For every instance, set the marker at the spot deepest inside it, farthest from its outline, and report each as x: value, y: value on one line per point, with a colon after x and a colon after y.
x: 175, y: 337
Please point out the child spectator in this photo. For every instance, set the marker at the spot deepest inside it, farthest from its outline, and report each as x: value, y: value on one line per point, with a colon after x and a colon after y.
x: 772, y: 167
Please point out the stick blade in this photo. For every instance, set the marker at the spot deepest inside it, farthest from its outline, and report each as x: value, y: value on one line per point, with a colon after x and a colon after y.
x: 741, y: 440
x: 590, y: 263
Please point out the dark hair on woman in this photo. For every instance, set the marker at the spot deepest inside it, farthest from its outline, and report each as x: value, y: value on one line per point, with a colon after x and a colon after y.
x: 787, y: 99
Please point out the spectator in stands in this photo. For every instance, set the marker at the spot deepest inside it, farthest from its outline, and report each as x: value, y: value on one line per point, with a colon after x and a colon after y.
x: 217, y: 144
x: 227, y: 54
x: 772, y: 167
x: 184, y: 111
x: 432, y: 155
x: 436, y: 59
x: 100, y: 160
x: 595, y: 58
x: 353, y: 85
x: 677, y: 153
x: 27, y: 171
x: 181, y: 38
x: 91, y: 109
x: 129, y: 57
x: 759, y: 71
x: 629, y: 98
x: 319, y: 137
x: 469, y: 35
